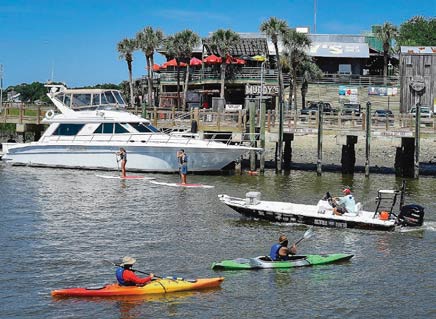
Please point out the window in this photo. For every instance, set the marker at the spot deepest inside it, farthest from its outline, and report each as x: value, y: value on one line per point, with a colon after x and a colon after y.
x: 108, y: 128
x: 141, y: 127
x: 68, y: 129
x: 109, y: 98
x: 95, y: 99
x: 67, y: 100
x: 81, y: 100
x: 120, y: 129
x: 118, y: 97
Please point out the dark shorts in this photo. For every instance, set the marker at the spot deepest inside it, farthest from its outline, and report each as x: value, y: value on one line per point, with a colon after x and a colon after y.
x: 184, y: 169
x: 341, y: 210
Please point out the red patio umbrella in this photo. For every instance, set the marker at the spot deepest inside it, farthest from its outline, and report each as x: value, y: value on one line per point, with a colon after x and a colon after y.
x: 156, y: 67
x: 195, y: 62
x: 212, y: 59
x: 173, y: 62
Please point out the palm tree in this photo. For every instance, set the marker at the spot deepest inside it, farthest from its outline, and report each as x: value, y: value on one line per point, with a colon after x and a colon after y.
x: 148, y: 40
x: 295, y: 44
x: 223, y: 41
x: 309, y: 71
x: 276, y: 28
x: 126, y: 48
x: 180, y: 47
x: 386, y: 34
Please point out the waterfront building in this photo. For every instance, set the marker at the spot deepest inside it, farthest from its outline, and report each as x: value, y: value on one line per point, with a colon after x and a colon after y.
x: 351, y: 63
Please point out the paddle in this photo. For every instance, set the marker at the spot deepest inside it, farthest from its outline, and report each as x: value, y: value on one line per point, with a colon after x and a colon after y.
x: 134, y: 270
x: 118, y: 165
x: 146, y: 273
x: 309, y: 233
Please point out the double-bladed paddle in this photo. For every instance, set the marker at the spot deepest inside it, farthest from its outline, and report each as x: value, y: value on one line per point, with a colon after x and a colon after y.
x: 308, y: 233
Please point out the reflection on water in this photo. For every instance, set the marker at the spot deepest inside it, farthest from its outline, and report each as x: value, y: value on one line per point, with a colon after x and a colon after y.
x: 58, y: 227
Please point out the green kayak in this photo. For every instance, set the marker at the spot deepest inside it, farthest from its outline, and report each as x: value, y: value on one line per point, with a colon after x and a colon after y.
x: 264, y: 262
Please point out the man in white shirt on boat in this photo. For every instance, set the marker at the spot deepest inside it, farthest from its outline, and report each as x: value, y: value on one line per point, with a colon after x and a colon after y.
x: 345, y: 204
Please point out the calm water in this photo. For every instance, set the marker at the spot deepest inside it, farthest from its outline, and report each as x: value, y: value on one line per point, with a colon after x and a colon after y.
x: 59, y: 226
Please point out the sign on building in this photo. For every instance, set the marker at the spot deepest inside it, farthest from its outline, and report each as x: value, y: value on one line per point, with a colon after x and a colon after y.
x: 256, y: 89
x: 382, y: 91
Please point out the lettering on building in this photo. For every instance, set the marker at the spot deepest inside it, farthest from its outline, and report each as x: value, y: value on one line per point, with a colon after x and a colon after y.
x: 267, y: 89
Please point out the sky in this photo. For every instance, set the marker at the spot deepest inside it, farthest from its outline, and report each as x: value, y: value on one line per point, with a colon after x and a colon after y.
x: 75, y: 41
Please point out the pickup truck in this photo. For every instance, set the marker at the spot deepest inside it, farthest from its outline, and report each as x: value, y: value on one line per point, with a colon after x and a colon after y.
x: 349, y: 108
x: 313, y: 108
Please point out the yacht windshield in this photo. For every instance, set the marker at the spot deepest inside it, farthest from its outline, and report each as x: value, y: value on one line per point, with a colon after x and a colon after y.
x: 119, y: 98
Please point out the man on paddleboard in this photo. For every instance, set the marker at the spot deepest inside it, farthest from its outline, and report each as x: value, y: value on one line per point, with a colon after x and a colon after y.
x: 126, y: 276
x: 183, y: 165
x: 280, y: 251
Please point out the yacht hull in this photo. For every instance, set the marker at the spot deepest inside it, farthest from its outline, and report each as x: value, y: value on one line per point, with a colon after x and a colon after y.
x: 142, y: 158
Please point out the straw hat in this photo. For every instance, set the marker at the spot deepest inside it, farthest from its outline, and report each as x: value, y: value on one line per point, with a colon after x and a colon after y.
x: 127, y: 260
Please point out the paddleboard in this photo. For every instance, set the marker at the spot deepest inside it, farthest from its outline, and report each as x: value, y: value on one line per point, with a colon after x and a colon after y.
x: 127, y: 177
x: 182, y: 185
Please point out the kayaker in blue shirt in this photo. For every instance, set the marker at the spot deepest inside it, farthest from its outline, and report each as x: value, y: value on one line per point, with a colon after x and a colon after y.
x: 280, y: 251
x: 345, y: 204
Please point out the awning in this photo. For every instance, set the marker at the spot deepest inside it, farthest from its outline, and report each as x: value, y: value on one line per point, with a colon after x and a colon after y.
x: 339, y: 50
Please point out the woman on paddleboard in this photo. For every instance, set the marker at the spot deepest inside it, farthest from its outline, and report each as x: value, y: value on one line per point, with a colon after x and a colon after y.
x: 123, y: 159
x: 183, y: 165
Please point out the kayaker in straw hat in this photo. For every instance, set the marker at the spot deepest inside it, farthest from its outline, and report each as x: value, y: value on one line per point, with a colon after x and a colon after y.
x: 280, y: 251
x: 126, y: 276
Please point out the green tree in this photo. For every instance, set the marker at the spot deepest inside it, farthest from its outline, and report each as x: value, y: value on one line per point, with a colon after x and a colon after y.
x: 180, y: 46
x: 386, y: 33
x: 148, y: 40
x: 275, y: 29
x: 223, y: 41
x: 125, y: 48
x: 418, y: 31
x: 295, y: 44
x: 29, y: 93
x: 310, y: 71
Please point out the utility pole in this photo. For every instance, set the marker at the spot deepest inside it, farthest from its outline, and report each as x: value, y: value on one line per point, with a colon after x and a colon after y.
x: 1, y: 87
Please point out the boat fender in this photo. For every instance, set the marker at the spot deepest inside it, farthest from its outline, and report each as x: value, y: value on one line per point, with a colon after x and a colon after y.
x: 49, y: 114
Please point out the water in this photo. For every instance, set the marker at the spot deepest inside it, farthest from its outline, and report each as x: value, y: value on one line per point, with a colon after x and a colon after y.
x: 59, y: 226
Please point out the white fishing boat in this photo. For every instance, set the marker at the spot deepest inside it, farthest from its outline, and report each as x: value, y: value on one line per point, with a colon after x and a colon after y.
x: 90, y: 126
x: 383, y: 218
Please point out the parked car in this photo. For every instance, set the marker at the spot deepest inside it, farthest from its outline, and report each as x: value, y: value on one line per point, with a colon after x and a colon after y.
x: 382, y: 115
x: 314, y: 107
x: 425, y: 111
x: 349, y: 108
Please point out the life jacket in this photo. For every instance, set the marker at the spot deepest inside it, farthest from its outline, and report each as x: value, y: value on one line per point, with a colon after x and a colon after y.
x: 274, y: 253
x: 119, y: 274
x: 183, y: 159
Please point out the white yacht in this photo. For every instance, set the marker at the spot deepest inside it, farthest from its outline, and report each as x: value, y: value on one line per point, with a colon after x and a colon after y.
x: 92, y: 124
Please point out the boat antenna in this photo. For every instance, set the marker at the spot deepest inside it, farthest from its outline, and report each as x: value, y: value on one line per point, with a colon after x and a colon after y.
x: 403, y: 189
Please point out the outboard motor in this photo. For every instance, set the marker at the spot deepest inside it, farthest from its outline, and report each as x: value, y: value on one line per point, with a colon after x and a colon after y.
x: 411, y: 215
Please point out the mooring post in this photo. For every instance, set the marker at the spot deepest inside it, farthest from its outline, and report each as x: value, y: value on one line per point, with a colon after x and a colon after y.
x: 417, y: 86
x: 252, y: 119
x: 319, y: 159
x: 417, y: 137
x: 368, y: 137
x: 262, y: 135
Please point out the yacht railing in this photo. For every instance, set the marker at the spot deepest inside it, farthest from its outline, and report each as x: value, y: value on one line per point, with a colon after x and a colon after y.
x: 241, y: 139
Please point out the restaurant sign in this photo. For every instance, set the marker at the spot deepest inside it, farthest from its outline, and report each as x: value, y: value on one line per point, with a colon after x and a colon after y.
x: 382, y: 91
x: 256, y: 89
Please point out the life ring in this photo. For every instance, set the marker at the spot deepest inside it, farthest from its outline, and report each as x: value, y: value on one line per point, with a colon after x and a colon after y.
x: 49, y: 114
